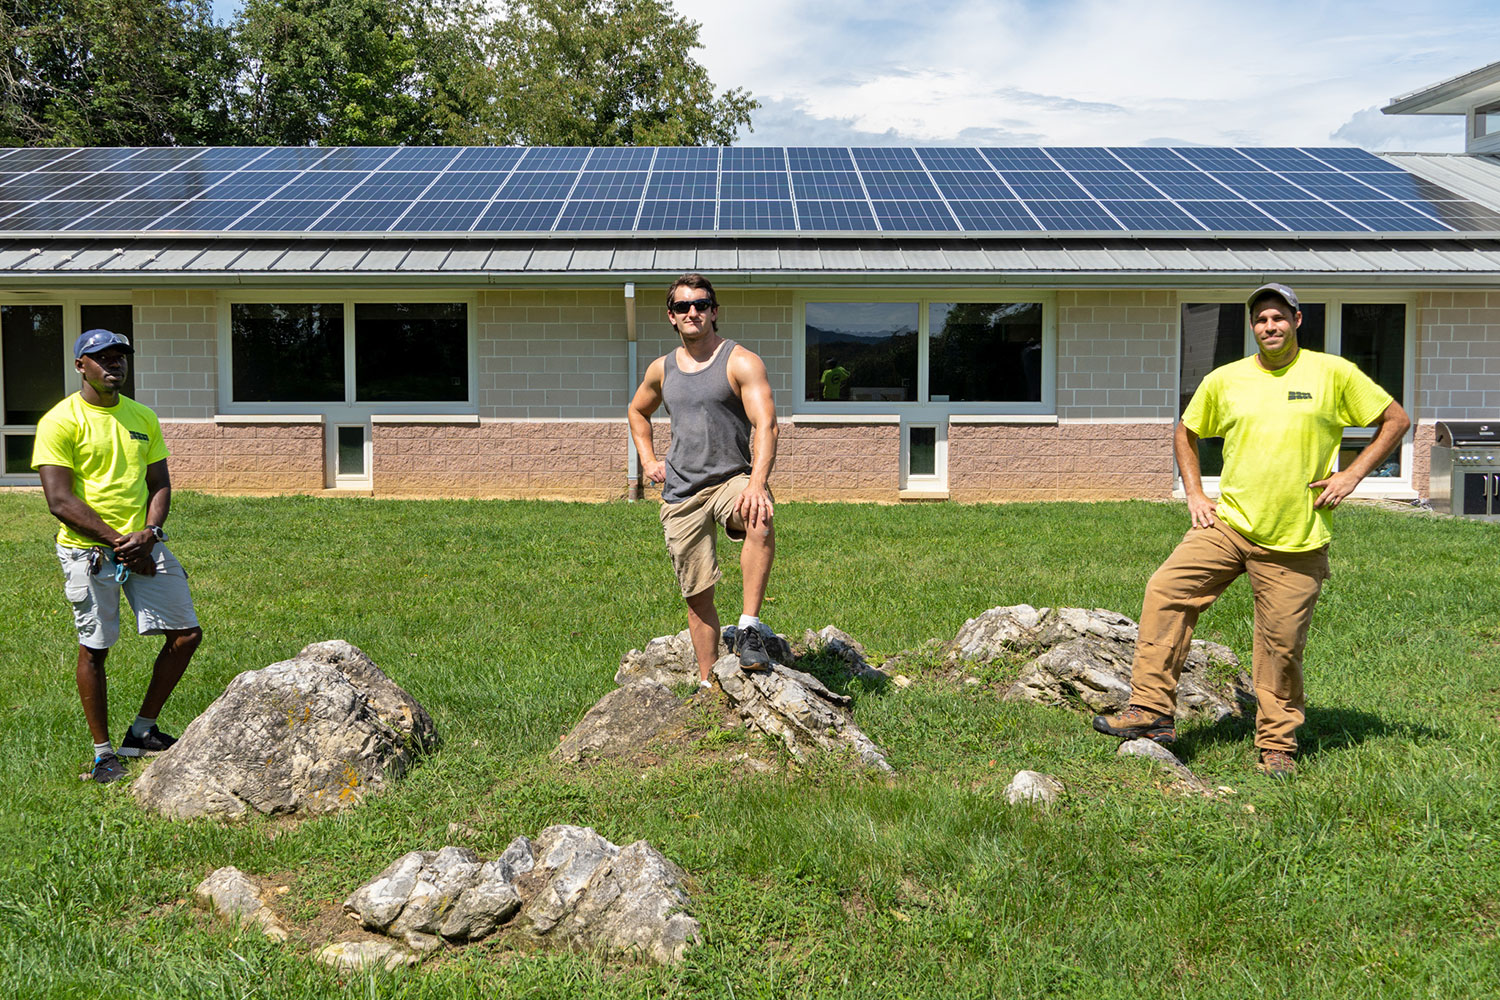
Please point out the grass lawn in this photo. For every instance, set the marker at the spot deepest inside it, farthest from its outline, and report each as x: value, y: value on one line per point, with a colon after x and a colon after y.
x: 1375, y: 873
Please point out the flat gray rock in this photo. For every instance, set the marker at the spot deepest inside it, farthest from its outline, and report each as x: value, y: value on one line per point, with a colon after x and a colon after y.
x: 1033, y: 787
x: 313, y: 734
x: 360, y: 955
x: 1152, y: 750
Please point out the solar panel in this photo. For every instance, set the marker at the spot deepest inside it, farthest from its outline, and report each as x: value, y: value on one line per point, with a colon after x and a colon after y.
x: 886, y: 158
x: 677, y: 215
x: 971, y: 184
x: 361, y: 215
x: 449, y: 216
x: 755, y: 184
x: 470, y: 185
x: 598, y: 215
x: 396, y: 185
x: 835, y: 215
x: 827, y: 184
x: 522, y: 216
x: 1074, y: 158
x: 1007, y: 158
x: 927, y: 216
x: 753, y: 158
x: 735, y: 216
x: 735, y: 189
x: 1042, y: 184
x: 1230, y: 216
x: 611, y: 184
x: 1070, y: 214
x: 819, y: 158
x: 953, y: 158
x: 1115, y: 184
x: 993, y: 216
x: 899, y: 184
x: 1150, y: 215
x: 682, y: 184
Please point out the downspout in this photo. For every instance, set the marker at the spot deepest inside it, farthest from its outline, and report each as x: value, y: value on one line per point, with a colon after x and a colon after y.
x: 632, y: 459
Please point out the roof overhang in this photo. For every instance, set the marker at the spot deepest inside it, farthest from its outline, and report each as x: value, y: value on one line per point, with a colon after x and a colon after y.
x: 1450, y: 97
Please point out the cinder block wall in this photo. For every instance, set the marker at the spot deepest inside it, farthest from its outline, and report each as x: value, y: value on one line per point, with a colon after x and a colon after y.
x: 176, y: 352
x: 246, y: 458
x: 1458, y: 367
x: 1116, y: 400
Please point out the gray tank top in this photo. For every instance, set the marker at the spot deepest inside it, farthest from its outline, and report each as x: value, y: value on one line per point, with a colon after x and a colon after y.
x: 710, y: 431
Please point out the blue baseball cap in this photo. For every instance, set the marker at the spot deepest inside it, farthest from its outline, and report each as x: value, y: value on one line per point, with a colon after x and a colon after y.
x: 94, y: 341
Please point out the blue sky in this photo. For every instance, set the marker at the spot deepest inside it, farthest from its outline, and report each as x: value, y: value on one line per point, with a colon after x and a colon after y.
x: 1090, y: 72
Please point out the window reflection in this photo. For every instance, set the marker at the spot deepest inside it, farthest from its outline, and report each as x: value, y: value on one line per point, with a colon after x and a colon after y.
x: 411, y: 352
x: 288, y: 353
x: 875, y: 345
x: 985, y: 352
x: 31, y: 341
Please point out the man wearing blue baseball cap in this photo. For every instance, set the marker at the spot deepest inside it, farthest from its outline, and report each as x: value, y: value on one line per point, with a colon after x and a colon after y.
x: 103, y: 465
x: 1282, y: 413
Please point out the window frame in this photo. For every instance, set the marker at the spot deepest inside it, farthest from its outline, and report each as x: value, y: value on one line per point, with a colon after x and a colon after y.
x: 71, y: 328
x: 349, y: 408
x: 923, y: 409
x: 1333, y: 300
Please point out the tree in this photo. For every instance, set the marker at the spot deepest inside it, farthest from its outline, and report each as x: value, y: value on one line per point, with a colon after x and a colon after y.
x: 113, y: 73
x: 608, y: 73
x: 363, y: 72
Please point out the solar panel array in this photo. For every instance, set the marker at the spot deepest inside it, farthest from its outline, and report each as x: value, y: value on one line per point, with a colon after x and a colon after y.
x: 722, y: 190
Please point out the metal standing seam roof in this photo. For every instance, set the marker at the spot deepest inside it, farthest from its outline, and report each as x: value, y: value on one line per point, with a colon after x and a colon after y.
x: 1467, y: 186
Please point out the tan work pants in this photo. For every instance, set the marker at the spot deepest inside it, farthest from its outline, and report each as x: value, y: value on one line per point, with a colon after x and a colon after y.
x: 1285, y: 586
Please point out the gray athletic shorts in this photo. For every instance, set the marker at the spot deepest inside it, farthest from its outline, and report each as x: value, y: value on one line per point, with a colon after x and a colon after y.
x: 161, y: 602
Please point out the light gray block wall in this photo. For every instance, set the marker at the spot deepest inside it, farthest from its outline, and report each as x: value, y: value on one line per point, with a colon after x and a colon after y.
x: 1116, y: 355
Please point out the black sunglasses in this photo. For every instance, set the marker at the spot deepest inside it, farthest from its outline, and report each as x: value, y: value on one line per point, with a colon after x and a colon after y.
x: 682, y: 308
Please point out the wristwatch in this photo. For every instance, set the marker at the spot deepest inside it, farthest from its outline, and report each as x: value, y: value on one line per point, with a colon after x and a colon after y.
x: 156, y: 529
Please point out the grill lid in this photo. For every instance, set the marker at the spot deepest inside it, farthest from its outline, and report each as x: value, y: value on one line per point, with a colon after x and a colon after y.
x: 1456, y: 433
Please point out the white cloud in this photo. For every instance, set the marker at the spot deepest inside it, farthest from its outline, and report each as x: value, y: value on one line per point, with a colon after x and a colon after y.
x: 1088, y: 72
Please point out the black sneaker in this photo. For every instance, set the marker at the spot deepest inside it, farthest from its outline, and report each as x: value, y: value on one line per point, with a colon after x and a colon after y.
x: 751, y: 647
x: 107, y: 768
x: 155, y: 741
x: 1135, y: 723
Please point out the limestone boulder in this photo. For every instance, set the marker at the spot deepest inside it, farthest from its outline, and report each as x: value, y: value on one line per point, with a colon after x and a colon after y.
x: 309, y: 735
x: 1073, y: 655
x: 623, y: 721
x: 235, y: 895
x: 570, y: 887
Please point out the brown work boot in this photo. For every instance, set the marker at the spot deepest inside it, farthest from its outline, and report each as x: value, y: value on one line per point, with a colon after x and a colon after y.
x: 1277, y: 763
x: 1137, y: 722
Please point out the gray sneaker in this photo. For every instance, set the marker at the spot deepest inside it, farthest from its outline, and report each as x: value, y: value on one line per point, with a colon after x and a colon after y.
x: 750, y: 646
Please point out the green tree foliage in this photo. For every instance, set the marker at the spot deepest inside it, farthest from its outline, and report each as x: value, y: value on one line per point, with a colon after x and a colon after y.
x: 358, y: 72
x: 363, y: 72
x: 112, y: 73
x: 608, y: 73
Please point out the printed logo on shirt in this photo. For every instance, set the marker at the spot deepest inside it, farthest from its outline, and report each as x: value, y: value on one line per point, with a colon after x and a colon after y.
x: 138, y: 436
x: 1293, y: 394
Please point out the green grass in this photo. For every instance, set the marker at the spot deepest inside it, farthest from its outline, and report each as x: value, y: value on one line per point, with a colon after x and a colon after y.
x: 1376, y: 873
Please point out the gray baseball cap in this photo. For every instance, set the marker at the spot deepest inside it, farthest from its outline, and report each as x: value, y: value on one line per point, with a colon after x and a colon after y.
x: 1280, y: 291
x: 94, y: 341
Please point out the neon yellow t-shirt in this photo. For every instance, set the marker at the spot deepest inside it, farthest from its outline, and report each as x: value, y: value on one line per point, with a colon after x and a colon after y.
x: 108, y: 449
x: 1281, y: 431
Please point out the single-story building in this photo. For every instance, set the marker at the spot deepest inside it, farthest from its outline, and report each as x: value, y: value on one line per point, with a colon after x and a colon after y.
x: 968, y: 323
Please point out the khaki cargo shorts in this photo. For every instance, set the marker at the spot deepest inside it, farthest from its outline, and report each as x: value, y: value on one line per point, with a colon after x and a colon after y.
x: 690, y: 528
x: 161, y: 602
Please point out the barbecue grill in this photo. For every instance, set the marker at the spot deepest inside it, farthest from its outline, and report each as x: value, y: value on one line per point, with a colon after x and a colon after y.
x: 1466, y: 469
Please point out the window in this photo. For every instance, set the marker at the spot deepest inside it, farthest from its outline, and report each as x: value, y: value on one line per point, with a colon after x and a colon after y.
x: 1486, y: 120
x: 290, y: 353
x: 405, y: 352
x: 36, y: 358
x: 862, y: 351
x: 1213, y: 334
x: 983, y: 352
x: 349, y: 353
x: 931, y: 352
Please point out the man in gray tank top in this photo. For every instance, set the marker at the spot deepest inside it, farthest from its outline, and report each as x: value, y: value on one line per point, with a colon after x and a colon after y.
x: 716, y: 469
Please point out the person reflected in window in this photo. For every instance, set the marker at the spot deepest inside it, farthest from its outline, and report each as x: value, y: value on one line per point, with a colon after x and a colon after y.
x: 834, y: 378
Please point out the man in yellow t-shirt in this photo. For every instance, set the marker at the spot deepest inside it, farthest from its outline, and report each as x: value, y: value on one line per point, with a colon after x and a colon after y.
x: 103, y: 466
x: 1282, y: 414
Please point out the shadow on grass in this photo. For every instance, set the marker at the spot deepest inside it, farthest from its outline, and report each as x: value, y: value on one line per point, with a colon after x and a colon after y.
x: 1327, y: 729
